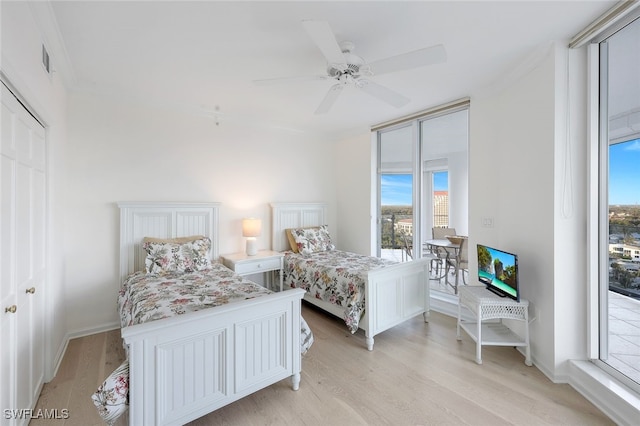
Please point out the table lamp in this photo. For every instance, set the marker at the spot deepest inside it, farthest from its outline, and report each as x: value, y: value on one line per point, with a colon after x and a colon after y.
x: 251, y: 228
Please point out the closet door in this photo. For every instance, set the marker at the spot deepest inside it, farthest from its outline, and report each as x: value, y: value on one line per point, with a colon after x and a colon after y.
x: 22, y: 256
x: 7, y: 253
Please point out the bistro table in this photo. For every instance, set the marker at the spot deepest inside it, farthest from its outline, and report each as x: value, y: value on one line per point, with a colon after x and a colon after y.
x: 435, y: 246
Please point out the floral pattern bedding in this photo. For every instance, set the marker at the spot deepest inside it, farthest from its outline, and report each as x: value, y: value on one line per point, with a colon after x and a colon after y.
x: 335, y: 276
x: 148, y: 297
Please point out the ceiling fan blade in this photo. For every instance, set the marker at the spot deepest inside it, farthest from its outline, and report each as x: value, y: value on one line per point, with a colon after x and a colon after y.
x: 329, y: 98
x: 322, y: 35
x: 383, y: 93
x: 417, y: 58
x: 280, y: 80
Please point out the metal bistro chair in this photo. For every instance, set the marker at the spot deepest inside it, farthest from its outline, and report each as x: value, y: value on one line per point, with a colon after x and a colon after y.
x: 441, y: 253
x: 460, y: 262
x: 407, y: 247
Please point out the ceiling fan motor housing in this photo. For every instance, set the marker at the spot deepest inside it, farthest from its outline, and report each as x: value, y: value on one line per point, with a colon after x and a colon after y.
x: 352, y: 62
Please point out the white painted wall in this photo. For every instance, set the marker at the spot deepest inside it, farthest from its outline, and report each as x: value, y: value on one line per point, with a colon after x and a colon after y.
x: 353, y: 165
x: 536, y: 194
x: 21, y: 50
x: 120, y: 151
x: 512, y: 181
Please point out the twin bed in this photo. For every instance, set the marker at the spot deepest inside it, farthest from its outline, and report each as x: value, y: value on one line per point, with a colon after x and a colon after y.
x: 391, y: 292
x: 185, y: 361
x: 184, y: 366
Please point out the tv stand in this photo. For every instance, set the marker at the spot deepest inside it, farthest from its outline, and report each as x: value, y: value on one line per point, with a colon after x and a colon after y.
x: 485, y: 305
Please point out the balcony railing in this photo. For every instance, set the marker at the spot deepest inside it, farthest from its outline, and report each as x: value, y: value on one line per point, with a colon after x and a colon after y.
x: 390, y: 236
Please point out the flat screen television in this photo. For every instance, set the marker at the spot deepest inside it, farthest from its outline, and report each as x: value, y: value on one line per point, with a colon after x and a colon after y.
x: 498, y: 270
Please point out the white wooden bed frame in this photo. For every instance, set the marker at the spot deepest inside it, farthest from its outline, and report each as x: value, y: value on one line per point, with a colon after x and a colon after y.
x: 393, y: 294
x: 184, y: 367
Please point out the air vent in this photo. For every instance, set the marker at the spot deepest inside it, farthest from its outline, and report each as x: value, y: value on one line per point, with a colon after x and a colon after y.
x: 45, y: 60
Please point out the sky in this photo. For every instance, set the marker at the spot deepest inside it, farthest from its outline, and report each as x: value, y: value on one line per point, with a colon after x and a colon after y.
x: 396, y: 190
x: 624, y: 179
x: 624, y: 173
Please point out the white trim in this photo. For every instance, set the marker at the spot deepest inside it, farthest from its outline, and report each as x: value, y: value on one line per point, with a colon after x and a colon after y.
x: 429, y: 112
x: 592, y: 203
x: 599, y: 28
x: 59, y: 357
x: 610, y: 396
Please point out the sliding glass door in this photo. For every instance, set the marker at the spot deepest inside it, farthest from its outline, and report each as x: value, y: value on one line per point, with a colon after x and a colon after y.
x: 422, y: 182
x: 444, y: 140
x: 619, y: 245
x: 395, y: 172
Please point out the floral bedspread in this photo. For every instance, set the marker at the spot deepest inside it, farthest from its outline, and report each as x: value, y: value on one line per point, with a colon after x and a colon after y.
x: 335, y: 276
x: 149, y: 297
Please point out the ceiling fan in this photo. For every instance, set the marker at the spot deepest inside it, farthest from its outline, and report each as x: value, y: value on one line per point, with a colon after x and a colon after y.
x: 346, y: 68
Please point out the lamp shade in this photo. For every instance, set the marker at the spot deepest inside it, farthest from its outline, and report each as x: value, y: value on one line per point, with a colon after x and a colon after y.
x: 251, y: 227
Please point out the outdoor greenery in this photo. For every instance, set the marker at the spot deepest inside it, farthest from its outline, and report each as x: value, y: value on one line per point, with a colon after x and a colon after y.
x: 390, y: 215
x: 625, y: 221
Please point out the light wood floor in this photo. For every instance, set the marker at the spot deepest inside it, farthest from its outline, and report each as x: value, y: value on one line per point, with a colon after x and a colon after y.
x: 417, y: 374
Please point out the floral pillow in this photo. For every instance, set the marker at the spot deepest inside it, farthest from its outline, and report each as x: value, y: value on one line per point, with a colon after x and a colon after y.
x: 172, y: 257
x: 111, y: 398
x: 312, y: 240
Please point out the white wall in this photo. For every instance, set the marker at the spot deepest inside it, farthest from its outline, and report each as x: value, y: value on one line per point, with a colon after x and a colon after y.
x: 530, y: 177
x: 21, y: 49
x: 353, y: 165
x: 119, y: 151
x: 512, y: 181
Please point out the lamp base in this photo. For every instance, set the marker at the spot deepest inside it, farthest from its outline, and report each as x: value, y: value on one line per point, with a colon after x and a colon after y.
x: 252, y: 246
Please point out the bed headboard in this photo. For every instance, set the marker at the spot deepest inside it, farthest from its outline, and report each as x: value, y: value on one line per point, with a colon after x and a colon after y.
x: 294, y: 215
x: 162, y: 220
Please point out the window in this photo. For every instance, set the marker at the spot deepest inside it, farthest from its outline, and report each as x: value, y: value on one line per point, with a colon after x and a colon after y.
x: 422, y: 181
x: 619, y: 204
x: 395, y: 172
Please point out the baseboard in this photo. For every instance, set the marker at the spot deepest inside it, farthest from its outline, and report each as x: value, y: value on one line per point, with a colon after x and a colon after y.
x: 92, y: 330
x: 617, y: 401
x: 446, y: 304
x: 59, y: 355
x: 62, y: 349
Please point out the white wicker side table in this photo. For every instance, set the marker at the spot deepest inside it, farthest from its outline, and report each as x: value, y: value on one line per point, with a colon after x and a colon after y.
x: 486, y: 306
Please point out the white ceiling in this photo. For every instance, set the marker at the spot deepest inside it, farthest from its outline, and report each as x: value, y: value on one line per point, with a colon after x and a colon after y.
x: 196, y: 56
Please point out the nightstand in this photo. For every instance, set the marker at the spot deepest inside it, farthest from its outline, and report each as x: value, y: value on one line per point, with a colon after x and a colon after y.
x: 263, y: 261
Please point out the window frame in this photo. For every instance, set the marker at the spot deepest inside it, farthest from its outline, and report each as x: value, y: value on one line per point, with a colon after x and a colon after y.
x: 598, y: 203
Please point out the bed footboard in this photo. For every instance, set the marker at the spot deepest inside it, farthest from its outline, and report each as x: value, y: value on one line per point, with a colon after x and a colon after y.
x: 184, y: 367
x: 395, y: 294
